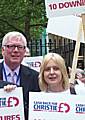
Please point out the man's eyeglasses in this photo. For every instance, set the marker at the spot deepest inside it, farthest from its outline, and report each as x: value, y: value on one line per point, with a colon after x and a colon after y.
x: 12, y: 47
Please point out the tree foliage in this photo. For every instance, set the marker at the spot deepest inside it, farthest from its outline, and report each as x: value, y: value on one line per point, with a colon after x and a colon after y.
x: 26, y: 16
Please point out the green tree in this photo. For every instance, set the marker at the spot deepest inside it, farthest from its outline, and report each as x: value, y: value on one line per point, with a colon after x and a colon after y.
x: 26, y: 16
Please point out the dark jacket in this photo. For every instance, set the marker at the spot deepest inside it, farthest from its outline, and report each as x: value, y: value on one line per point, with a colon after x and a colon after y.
x: 3, y: 83
x: 29, y: 82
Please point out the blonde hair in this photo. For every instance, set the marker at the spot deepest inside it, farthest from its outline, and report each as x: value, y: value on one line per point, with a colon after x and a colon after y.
x: 59, y: 61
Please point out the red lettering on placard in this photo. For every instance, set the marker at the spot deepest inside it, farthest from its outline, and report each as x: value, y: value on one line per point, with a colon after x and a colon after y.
x: 16, y: 101
x: 10, y: 117
x: 53, y: 6
x: 70, y: 4
x: 67, y: 107
x: 64, y: 107
x: 13, y: 101
x: 66, y: 4
x: 10, y: 102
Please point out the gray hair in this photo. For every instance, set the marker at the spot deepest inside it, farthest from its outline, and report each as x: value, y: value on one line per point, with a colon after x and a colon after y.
x: 12, y: 34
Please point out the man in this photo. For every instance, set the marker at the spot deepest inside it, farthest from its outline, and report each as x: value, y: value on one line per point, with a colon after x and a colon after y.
x: 27, y: 53
x: 11, y: 70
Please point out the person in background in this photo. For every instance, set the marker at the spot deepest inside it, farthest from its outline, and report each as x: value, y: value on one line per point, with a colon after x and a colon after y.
x: 80, y: 80
x: 11, y: 70
x: 79, y: 77
x: 26, y: 56
x: 27, y: 53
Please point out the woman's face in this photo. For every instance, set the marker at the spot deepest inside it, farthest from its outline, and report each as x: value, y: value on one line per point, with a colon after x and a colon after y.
x: 52, y: 74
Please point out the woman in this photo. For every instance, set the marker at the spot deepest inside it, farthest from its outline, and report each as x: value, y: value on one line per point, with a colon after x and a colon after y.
x: 53, y: 75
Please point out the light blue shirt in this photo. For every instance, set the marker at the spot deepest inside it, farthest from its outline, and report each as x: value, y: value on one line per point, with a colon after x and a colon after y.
x: 9, y: 74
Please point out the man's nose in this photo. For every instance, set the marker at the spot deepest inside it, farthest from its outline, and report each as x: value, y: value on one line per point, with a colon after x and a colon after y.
x: 16, y: 48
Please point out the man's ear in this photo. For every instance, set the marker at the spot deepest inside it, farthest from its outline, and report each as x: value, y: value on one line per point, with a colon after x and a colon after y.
x: 2, y: 50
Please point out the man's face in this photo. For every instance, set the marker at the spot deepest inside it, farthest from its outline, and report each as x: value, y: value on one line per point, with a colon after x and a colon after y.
x: 13, y: 52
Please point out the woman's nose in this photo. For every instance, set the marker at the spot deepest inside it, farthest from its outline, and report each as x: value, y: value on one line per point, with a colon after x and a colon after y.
x: 51, y: 70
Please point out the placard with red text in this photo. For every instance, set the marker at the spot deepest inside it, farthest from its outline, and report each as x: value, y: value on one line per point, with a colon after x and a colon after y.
x: 11, y: 105
x: 56, y: 8
x: 54, y: 106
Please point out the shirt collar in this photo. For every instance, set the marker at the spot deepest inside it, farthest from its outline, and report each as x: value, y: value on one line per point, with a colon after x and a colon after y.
x: 8, y: 70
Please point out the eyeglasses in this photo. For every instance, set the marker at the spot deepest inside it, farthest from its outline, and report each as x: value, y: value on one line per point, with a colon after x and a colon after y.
x: 12, y: 47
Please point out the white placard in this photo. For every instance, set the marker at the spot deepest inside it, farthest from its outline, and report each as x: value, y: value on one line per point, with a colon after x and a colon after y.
x: 11, y: 105
x: 54, y: 106
x: 66, y: 26
x: 56, y: 8
x: 33, y: 62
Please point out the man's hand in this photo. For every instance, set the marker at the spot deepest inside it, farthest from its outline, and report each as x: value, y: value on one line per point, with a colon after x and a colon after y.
x: 9, y: 88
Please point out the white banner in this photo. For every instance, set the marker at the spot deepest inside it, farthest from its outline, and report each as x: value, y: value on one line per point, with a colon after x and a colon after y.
x: 33, y: 62
x: 11, y: 105
x: 54, y: 106
x: 66, y: 26
x: 56, y: 8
